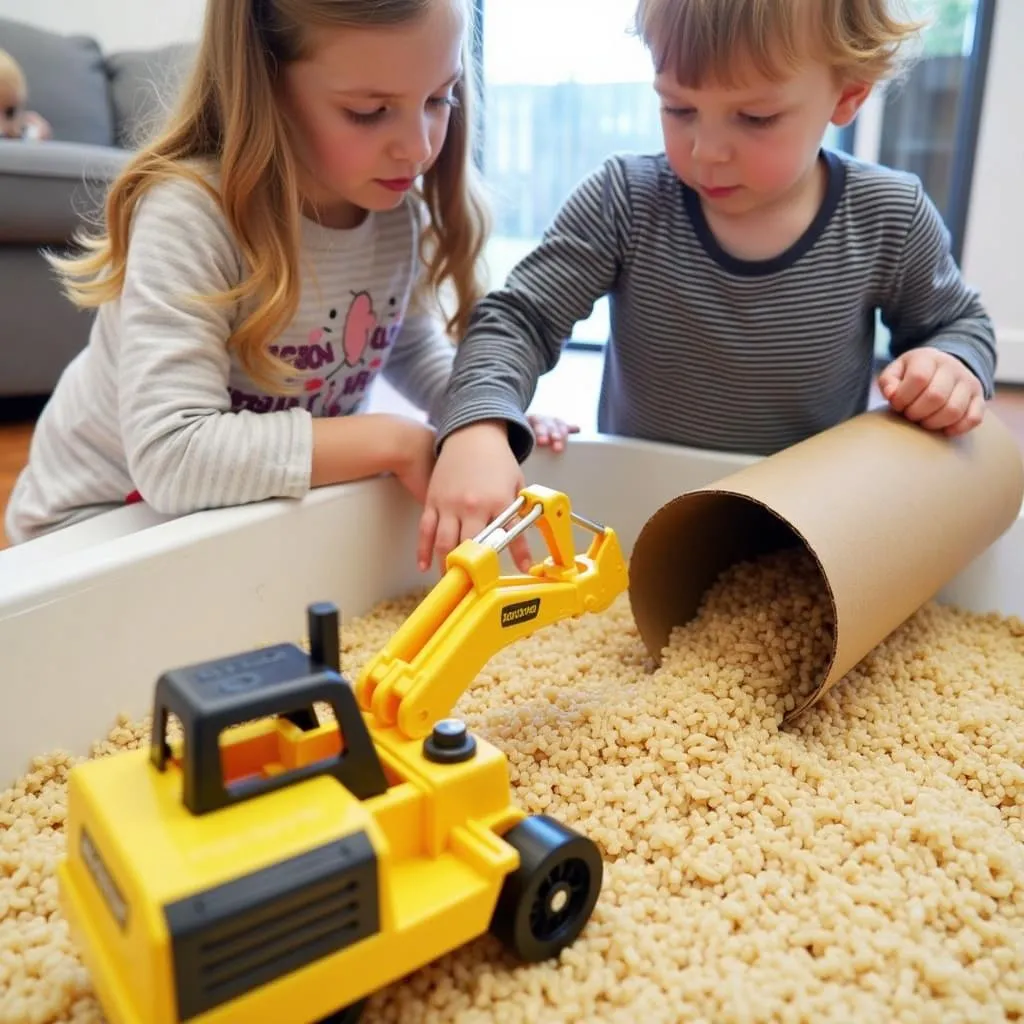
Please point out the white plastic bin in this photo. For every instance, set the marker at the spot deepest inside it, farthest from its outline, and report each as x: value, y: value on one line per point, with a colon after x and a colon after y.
x: 85, y: 629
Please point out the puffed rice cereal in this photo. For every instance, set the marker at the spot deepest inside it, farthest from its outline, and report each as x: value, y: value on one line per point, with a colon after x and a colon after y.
x: 862, y: 863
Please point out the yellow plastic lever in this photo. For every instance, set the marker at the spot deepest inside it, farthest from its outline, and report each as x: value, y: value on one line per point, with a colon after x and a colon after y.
x: 474, y: 611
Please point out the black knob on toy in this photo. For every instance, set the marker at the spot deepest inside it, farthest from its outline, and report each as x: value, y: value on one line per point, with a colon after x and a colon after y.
x: 323, y: 627
x: 449, y: 743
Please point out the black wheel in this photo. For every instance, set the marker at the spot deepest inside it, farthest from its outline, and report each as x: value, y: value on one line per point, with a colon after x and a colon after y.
x: 546, y: 901
x: 350, y: 1015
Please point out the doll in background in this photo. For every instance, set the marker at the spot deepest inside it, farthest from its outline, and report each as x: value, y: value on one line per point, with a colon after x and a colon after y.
x: 15, y: 121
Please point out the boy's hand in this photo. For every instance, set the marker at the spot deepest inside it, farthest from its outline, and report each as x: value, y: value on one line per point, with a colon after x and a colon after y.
x: 935, y: 390
x: 550, y: 430
x: 476, y: 478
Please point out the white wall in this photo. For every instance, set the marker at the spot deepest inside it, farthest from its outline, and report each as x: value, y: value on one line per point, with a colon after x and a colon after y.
x: 994, y: 241
x: 116, y: 24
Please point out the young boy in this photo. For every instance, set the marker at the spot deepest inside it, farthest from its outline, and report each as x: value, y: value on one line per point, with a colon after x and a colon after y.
x: 744, y: 265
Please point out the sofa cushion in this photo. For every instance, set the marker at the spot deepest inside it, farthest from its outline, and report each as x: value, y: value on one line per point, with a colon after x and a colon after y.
x: 144, y: 85
x: 42, y: 330
x: 50, y: 190
x: 67, y: 81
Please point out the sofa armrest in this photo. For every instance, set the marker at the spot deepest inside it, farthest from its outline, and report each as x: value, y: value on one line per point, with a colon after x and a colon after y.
x: 48, y: 190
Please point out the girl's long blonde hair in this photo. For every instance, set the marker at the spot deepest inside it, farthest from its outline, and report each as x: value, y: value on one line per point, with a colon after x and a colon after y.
x: 227, y: 112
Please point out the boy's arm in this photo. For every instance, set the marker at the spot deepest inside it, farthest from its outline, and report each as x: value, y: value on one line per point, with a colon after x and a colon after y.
x: 517, y: 332
x: 929, y: 304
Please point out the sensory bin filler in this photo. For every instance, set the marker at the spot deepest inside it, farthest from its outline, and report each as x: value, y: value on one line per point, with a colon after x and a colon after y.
x: 262, y: 862
x: 261, y: 859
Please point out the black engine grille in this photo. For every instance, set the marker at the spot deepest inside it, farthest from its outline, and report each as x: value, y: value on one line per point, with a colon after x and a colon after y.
x: 240, y: 935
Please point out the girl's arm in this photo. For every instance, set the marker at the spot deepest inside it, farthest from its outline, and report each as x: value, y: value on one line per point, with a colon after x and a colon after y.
x: 357, y: 447
x: 186, y: 448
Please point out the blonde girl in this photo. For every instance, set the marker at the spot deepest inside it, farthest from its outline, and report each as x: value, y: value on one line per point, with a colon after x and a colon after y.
x: 288, y: 238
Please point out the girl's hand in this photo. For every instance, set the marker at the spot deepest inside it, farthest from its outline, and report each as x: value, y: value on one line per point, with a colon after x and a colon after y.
x: 935, y: 390
x: 549, y: 430
x: 414, y: 459
x: 357, y: 447
x: 476, y: 478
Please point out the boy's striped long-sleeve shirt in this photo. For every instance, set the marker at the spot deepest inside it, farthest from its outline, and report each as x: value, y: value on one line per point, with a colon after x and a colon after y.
x: 709, y: 350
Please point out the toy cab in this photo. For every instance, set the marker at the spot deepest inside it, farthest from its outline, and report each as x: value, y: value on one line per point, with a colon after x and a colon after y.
x: 262, y: 860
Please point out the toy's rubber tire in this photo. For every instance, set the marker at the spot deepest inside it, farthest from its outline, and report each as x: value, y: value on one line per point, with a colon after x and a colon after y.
x: 556, y: 863
x: 350, y: 1015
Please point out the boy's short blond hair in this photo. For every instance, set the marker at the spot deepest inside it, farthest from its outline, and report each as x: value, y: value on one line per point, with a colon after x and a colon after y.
x: 704, y: 41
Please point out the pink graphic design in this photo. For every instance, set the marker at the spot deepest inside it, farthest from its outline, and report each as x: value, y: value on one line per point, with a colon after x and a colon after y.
x: 315, y: 338
x: 329, y: 402
x: 360, y: 325
x: 342, y: 367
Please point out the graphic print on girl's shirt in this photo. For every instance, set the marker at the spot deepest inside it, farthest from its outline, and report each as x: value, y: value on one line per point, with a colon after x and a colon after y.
x: 337, y: 364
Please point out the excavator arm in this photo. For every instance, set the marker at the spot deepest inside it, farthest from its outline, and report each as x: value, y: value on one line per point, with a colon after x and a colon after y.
x: 474, y: 611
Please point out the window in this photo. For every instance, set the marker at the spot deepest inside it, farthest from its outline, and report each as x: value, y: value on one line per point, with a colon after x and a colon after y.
x: 928, y: 122
x: 550, y: 118
x: 559, y: 100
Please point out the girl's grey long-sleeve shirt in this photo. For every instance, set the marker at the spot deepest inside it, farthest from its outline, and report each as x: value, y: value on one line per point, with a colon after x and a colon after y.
x: 156, y: 407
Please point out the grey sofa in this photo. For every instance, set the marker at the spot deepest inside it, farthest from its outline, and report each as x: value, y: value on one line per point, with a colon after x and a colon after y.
x: 100, y: 107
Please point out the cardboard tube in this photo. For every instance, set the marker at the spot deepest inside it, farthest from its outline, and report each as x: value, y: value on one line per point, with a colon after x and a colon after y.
x: 889, y: 511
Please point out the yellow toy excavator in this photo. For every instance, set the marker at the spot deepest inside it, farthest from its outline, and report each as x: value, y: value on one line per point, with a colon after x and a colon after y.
x: 259, y: 863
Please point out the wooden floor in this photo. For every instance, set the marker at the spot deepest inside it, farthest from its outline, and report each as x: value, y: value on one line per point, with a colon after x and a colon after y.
x: 16, y: 420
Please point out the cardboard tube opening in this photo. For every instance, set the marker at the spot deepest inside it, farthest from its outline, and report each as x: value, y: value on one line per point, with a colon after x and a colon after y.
x: 689, y: 543
x: 888, y: 511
